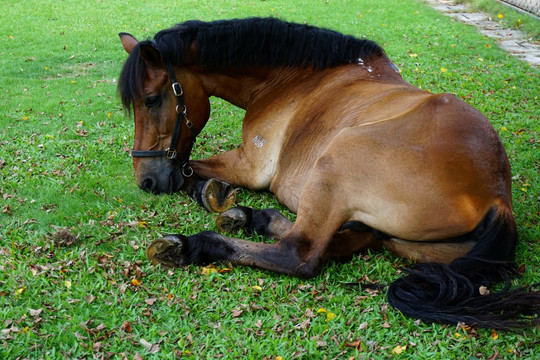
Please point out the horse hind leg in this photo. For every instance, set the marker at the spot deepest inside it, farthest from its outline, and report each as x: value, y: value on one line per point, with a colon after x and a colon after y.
x: 353, y: 237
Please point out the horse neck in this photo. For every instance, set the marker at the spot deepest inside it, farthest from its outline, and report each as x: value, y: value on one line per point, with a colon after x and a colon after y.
x: 241, y: 87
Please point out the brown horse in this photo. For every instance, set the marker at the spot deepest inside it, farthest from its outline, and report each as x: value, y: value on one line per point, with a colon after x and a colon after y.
x: 332, y: 129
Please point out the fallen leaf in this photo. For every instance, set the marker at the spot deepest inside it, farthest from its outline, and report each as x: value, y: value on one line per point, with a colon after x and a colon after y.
x: 399, y: 349
x: 34, y: 312
x: 494, y: 335
x: 150, y: 301
x: 20, y: 291
x: 151, y: 348
x: 385, y: 325
x: 126, y: 326
x: 209, y: 270
x: 329, y: 315
x: 236, y: 312
x: 358, y: 345
x: 135, y: 282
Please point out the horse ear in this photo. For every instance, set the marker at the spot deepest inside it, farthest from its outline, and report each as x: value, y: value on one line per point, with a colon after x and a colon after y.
x: 151, y: 55
x: 128, y: 41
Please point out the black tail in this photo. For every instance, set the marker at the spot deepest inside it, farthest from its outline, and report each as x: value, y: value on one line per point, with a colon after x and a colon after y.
x: 451, y: 293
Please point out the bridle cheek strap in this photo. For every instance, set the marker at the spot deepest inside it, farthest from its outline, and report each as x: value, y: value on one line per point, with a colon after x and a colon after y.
x: 181, y: 114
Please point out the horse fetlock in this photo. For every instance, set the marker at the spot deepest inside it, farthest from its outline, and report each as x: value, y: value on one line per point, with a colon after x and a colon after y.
x: 167, y: 251
x: 217, y: 196
x: 232, y: 220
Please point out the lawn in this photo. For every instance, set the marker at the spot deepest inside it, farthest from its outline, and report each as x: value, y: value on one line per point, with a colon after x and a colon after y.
x: 74, y: 281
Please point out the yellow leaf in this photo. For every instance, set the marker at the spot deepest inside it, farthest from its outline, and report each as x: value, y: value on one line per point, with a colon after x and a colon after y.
x: 399, y: 349
x: 67, y: 284
x: 329, y: 315
x: 279, y: 357
x: 20, y: 291
x: 500, y: 16
x: 503, y: 128
x: 143, y: 224
x: 208, y: 270
x: 413, y: 55
x: 25, y: 330
x: 135, y: 282
x: 444, y: 70
x: 494, y: 335
x: 256, y: 288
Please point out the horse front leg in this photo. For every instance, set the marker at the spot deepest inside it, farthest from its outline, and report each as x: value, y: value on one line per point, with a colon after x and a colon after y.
x: 214, y: 179
x: 214, y: 195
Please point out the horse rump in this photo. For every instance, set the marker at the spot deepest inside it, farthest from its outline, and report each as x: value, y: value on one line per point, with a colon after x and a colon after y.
x: 454, y: 293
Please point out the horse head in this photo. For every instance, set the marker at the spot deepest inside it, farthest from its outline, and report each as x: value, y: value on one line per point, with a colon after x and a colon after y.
x: 160, y: 93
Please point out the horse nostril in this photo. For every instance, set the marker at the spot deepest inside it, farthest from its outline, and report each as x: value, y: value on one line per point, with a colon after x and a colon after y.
x: 148, y: 184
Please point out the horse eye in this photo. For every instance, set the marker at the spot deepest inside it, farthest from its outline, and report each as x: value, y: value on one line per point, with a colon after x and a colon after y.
x: 152, y: 101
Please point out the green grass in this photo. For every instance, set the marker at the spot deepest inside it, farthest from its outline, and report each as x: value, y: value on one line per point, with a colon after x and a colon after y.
x: 74, y: 226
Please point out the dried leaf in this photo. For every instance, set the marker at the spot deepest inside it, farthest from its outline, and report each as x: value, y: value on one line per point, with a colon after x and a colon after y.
x: 150, y: 301
x: 126, y: 326
x: 236, y: 313
x: 151, y: 348
x: 34, y: 312
x: 399, y: 349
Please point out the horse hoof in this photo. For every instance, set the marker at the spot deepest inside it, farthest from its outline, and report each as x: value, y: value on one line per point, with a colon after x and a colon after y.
x: 218, y: 196
x: 165, y: 251
x: 231, y: 220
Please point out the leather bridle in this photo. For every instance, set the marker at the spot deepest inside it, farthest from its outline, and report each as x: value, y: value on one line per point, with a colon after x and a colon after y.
x: 181, y: 114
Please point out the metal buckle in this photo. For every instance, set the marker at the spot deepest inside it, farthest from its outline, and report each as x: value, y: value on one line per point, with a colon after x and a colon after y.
x: 170, y: 153
x: 177, y: 89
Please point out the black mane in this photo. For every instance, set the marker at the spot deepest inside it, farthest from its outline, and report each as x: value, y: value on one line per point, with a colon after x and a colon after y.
x: 247, y: 43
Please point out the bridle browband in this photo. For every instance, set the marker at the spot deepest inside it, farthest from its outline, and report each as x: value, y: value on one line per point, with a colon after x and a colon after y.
x: 181, y: 114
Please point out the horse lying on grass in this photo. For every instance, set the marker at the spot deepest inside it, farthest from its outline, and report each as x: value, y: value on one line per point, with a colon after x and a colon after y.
x: 331, y: 128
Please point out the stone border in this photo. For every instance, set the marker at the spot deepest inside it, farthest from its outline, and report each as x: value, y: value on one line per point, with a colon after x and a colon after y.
x: 529, y: 6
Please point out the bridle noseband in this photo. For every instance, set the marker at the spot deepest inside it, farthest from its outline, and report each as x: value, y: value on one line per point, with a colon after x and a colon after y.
x: 181, y: 114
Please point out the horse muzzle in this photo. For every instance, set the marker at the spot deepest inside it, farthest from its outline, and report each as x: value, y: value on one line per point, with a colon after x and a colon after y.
x: 161, y: 181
